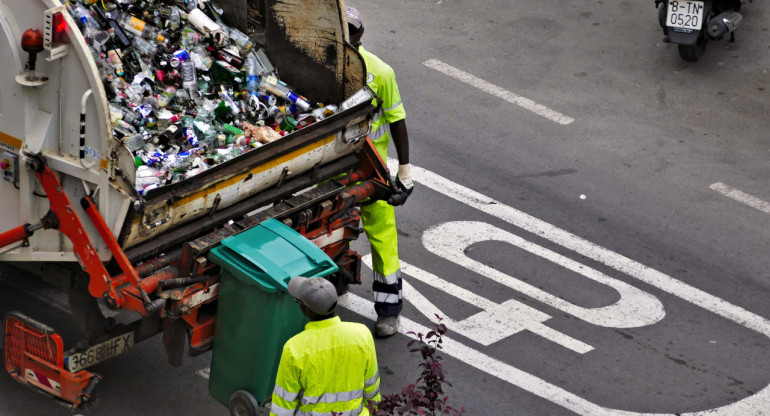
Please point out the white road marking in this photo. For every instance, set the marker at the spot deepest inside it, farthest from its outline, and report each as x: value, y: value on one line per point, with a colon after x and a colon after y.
x: 204, y: 372
x: 750, y: 406
x: 494, y: 323
x: 499, y: 92
x: 754, y: 405
x: 586, y: 248
x: 635, y: 307
x: 741, y: 197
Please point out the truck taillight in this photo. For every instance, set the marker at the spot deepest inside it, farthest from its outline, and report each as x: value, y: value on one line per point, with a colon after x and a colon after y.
x: 59, y: 26
x: 55, y: 26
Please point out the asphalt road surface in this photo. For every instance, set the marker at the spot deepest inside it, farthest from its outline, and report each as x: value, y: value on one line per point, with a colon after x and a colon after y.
x: 590, y: 219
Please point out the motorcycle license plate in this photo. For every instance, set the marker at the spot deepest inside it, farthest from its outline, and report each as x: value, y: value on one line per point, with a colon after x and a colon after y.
x: 685, y: 14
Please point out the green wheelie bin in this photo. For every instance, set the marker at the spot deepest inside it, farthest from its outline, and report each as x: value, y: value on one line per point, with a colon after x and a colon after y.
x: 255, y: 313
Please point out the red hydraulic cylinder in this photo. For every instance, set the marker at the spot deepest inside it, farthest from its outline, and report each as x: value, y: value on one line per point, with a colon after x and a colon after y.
x: 14, y: 235
x: 19, y: 233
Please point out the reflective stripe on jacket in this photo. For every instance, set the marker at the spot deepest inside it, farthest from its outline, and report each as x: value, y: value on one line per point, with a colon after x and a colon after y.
x: 331, y: 366
x: 381, y: 78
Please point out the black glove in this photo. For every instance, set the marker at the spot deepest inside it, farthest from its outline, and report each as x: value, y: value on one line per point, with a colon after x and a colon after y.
x: 404, y: 185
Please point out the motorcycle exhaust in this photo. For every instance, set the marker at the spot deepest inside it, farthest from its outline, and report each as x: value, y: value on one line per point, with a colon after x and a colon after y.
x: 724, y: 23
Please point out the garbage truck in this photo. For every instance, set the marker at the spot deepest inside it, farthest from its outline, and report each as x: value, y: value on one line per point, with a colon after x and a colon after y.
x: 77, y: 210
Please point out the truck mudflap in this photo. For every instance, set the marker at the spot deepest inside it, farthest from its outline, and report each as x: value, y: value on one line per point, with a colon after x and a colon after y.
x: 34, y: 356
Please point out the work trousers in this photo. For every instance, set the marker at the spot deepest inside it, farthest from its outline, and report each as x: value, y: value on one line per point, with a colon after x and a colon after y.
x: 379, y: 221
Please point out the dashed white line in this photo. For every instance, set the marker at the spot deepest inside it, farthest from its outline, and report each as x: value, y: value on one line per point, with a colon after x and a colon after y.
x: 741, y: 197
x: 204, y: 372
x: 499, y: 92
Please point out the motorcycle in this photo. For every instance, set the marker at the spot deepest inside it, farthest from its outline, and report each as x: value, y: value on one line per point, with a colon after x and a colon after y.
x: 691, y: 23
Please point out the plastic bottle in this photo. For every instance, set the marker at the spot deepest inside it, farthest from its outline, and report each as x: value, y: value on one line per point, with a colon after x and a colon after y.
x: 130, y: 23
x: 153, y: 33
x: 252, y: 76
x: 252, y: 81
x: 174, y: 19
x: 241, y: 40
x: 139, y: 27
x: 85, y: 18
x: 201, y: 58
x: 145, y: 47
x: 271, y: 83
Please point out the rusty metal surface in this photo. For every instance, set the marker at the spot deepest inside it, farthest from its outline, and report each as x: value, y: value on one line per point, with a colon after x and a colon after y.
x: 254, y: 158
x: 177, y: 237
x: 306, y: 40
x: 199, y: 190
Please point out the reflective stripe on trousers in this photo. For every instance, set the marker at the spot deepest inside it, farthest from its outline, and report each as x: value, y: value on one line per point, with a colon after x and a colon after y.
x: 379, y: 221
x: 388, y: 298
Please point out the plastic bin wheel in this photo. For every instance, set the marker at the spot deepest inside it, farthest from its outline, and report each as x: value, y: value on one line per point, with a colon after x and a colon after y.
x: 242, y: 403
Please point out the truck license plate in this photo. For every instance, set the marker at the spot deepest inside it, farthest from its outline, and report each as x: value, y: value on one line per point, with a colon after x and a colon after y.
x: 100, y: 352
x: 685, y: 14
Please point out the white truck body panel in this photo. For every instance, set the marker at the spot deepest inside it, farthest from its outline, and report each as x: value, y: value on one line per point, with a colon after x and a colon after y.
x: 45, y: 119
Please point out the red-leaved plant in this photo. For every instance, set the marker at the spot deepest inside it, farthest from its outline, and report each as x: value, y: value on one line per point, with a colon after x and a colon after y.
x: 426, y: 395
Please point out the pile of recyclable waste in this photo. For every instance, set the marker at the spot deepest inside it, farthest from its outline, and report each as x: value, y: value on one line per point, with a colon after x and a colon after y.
x: 186, y: 92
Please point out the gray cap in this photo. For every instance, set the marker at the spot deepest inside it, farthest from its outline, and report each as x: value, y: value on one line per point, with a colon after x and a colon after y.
x: 317, y: 293
x: 354, y: 17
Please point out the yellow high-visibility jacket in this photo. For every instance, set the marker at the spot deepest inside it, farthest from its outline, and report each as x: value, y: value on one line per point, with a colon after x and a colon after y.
x: 379, y: 218
x: 331, y: 366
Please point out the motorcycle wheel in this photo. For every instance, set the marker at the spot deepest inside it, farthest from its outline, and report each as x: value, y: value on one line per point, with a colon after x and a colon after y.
x: 693, y: 53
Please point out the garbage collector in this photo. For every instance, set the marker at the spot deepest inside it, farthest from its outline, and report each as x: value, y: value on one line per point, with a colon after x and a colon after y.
x: 331, y: 366
x: 379, y: 219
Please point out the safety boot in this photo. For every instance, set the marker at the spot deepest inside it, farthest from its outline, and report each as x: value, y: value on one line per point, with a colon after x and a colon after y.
x: 386, y: 326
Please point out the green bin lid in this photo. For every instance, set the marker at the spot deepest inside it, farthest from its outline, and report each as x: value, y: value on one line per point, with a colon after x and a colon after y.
x: 270, y: 254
